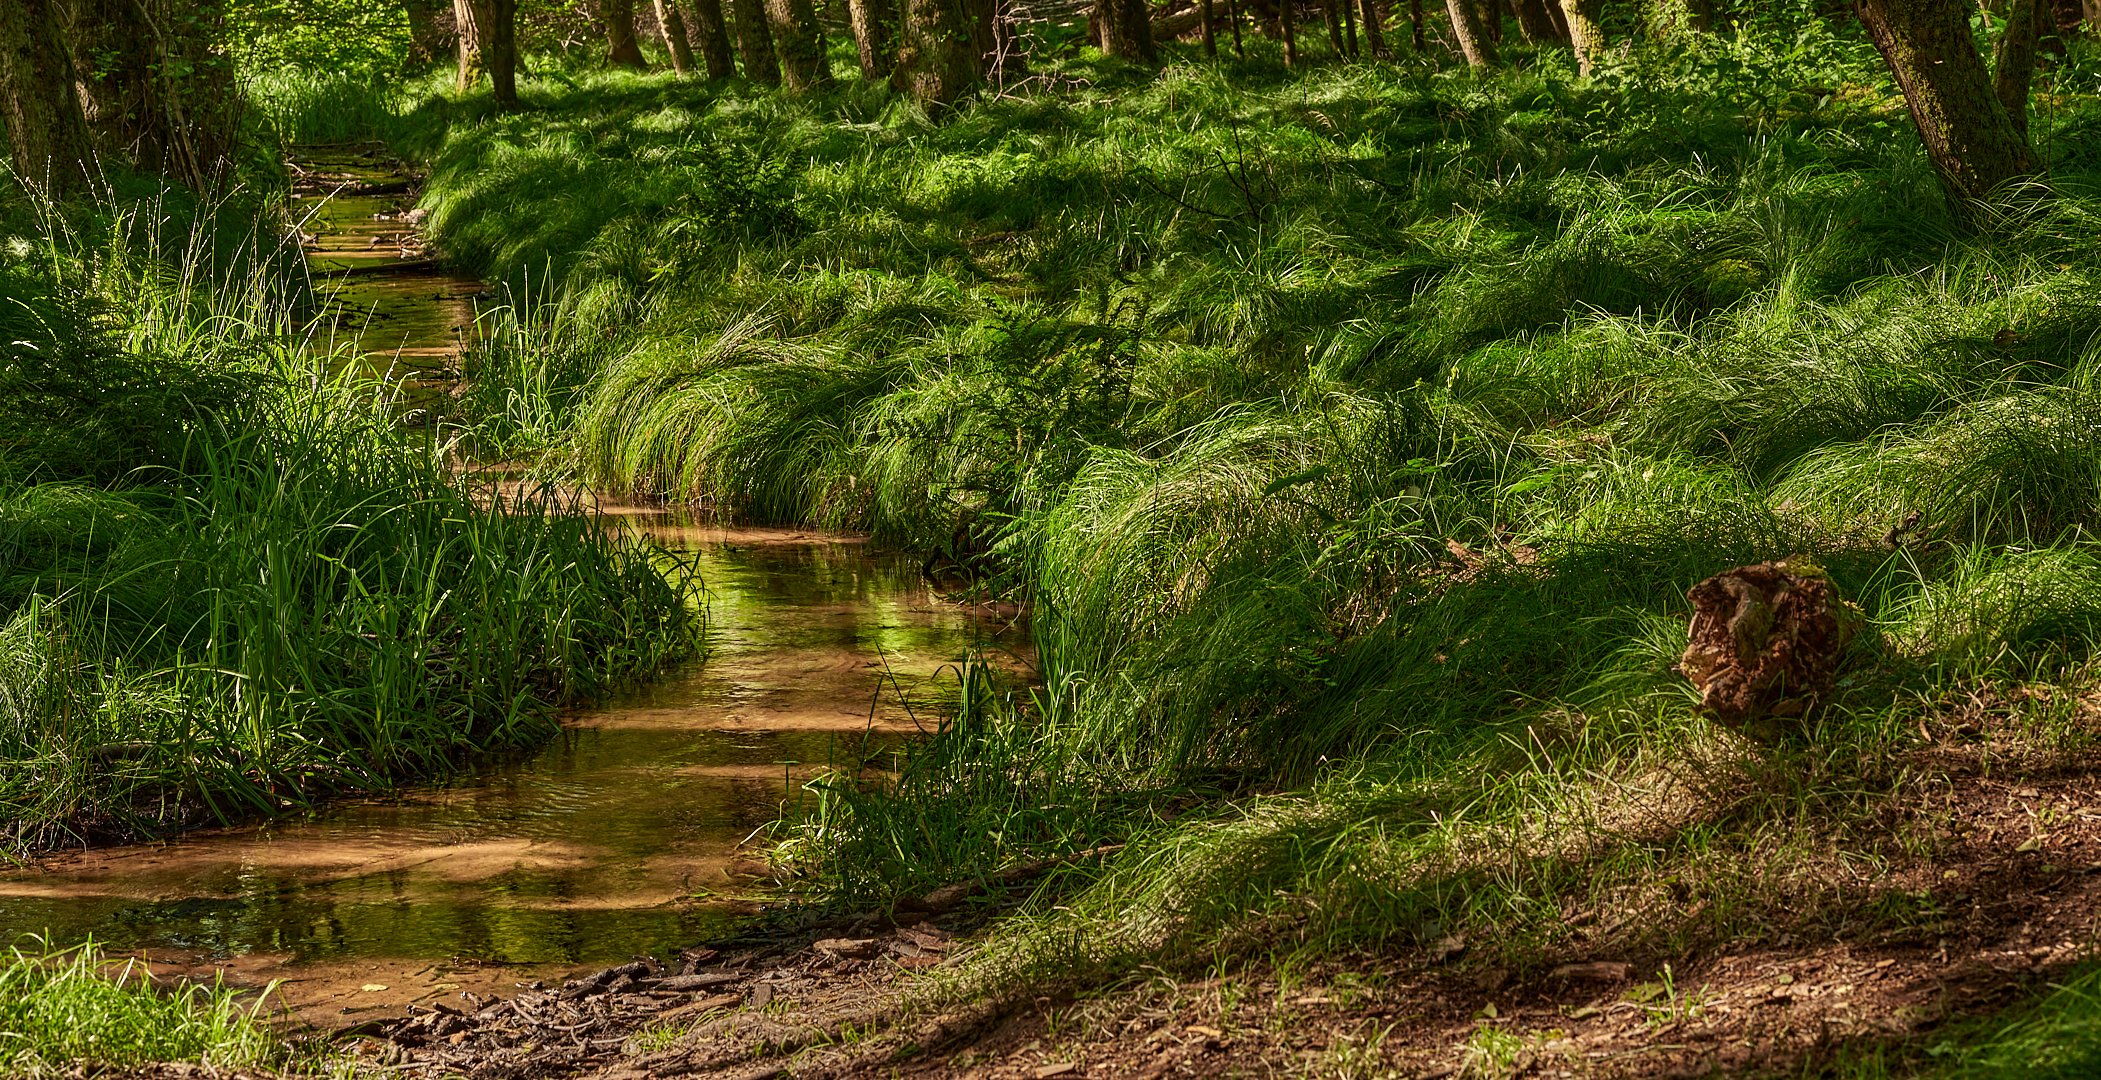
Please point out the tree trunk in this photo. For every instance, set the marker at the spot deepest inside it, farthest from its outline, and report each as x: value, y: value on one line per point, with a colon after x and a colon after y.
x: 1119, y: 34
x: 936, y: 62
x: 1928, y: 47
x: 1415, y: 22
x: 755, y: 42
x: 469, y: 17
x: 427, y: 40
x: 673, y: 26
x: 1374, y: 34
x: 1585, y: 31
x: 1473, y: 36
x: 501, y: 53
x: 1331, y: 13
x: 709, y: 27
x: 1240, y: 49
x: 1210, y: 34
x: 1287, y: 28
x: 2013, y: 65
x: 871, y: 37
x: 159, y: 84
x: 2093, y: 15
x: 1537, y: 26
x: 799, y: 43
x: 1492, y: 18
x: 618, y: 19
x: 46, y: 129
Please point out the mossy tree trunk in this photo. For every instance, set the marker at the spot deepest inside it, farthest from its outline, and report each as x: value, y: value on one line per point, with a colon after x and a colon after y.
x: 488, y: 45
x: 1968, y: 134
x: 936, y: 62
x: 672, y: 26
x: 799, y: 43
x: 46, y: 129
x: 2013, y: 64
x: 1586, y: 31
x: 870, y: 21
x: 617, y: 19
x: 755, y: 42
x: 712, y: 32
x: 1472, y: 33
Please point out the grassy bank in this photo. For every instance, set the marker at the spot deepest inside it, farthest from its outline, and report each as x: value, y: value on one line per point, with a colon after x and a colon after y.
x: 63, y: 1011
x: 1355, y: 433
x: 230, y: 584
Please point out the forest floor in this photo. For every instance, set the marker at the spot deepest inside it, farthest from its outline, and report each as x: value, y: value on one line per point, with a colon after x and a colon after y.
x: 2004, y: 905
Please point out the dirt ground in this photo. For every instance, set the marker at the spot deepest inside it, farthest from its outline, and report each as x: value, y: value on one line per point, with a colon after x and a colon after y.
x: 2006, y: 902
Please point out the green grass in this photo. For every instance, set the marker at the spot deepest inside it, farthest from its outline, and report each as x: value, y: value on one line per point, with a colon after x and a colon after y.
x: 230, y: 582
x: 1355, y: 433
x: 64, y: 1010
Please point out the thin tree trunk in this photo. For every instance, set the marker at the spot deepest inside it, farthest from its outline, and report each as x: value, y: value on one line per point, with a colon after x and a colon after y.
x: 1331, y: 14
x: 501, y: 55
x: 871, y: 38
x: 1286, y: 26
x: 1415, y: 22
x: 1349, y: 25
x: 936, y: 63
x: 618, y: 19
x: 713, y: 33
x: 427, y: 40
x: 1585, y: 32
x: 1473, y: 36
x: 1240, y: 50
x: 1928, y: 47
x: 799, y: 43
x: 1492, y: 17
x: 755, y: 42
x: 470, y: 16
x: 2013, y: 64
x: 1374, y: 33
x: 672, y: 26
x: 46, y: 129
x: 1210, y: 34
x: 1534, y: 22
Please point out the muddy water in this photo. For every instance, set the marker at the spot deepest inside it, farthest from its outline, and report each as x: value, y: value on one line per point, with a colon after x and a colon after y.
x: 625, y: 836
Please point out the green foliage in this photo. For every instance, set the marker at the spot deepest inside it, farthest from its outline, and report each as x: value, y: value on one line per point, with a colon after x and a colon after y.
x: 64, y: 1010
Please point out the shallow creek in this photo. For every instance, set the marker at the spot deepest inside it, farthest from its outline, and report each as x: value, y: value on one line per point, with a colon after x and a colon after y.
x: 623, y: 837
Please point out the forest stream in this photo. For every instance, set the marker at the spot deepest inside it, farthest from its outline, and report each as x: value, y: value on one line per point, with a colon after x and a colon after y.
x: 623, y: 837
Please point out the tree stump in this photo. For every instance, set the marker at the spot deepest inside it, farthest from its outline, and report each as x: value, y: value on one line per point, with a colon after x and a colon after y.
x: 1765, y: 643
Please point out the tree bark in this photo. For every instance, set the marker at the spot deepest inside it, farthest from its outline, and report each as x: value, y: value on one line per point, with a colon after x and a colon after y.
x: 469, y: 17
x: 936, y: 62
x: 871, y: 36
x: 1288, y: 29
x: 502, y: 52
x: 159, y: 84
x: 799, y: 43
x: 1585, y: 32
x: 1472, y: 34
x: 755, y: 42
x: 1537, y: 26
x: 713, y: 33
x: 46, y: 129
x: 2013, y: 64
x: 1928, y: 47
x: 1240, y: 49
x: 1374, y: 33
x: 1415, y: 22
x: 617, y: 17
x: 1331, y: 13
x: 427, y: 40
x: 672, y: 26
x: 1210, y: 34
x: 1120, y: 32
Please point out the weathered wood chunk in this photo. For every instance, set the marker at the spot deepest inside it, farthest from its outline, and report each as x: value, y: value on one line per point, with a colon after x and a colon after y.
x: 1765, y: 643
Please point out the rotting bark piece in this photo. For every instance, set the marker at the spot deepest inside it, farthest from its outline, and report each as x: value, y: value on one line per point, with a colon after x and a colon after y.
x: 1765, y: 643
